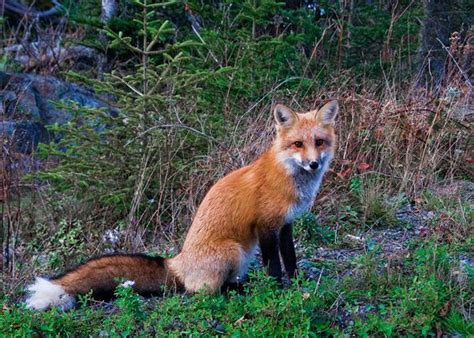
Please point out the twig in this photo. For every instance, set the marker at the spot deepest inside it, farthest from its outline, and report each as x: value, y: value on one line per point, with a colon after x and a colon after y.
x: 28, y: 11
x: 427, y: 110
x: 264, y: 96
x: 204, y: 43
x: 169, y: 126
x: 466, y: 77
x: 136, y: 91
x: 318, y: 282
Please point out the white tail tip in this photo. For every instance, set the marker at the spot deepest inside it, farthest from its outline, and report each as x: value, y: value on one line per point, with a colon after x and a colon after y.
x: 44, y: 294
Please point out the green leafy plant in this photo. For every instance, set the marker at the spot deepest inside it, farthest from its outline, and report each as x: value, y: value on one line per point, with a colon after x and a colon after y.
x: 311, y: 232
x: 111, y: 156
x: 131, y: 311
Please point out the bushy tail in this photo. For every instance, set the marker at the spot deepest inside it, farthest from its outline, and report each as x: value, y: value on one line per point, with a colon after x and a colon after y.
x: 101, y: 275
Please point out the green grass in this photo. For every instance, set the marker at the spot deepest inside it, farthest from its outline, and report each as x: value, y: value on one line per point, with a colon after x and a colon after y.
x: 417, y: 295
x: 423, y: 288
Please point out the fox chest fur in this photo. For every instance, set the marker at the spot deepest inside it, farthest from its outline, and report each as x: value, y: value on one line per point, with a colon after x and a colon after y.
x: 306, y: 186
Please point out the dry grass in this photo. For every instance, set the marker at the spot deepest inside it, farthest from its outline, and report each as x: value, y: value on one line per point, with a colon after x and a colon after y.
x: 409, y: 138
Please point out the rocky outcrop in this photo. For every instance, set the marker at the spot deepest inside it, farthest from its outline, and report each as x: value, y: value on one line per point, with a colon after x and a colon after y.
x: 27, y: 107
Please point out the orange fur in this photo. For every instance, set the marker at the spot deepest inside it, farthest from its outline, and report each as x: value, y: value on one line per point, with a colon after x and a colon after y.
x: 254, y: 200
x: 251, y: 198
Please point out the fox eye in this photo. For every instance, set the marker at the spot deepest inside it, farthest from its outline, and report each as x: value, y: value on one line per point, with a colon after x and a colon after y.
x: 319, y: 142
x: 298, y: 144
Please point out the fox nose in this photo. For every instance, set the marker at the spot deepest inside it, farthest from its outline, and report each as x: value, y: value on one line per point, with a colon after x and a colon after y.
x: 313, y: 165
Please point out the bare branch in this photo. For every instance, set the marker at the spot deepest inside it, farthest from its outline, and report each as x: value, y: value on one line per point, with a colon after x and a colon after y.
x: 172, y: 126
x: 19, y: 8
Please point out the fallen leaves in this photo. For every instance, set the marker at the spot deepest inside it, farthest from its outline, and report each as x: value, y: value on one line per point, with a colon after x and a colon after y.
x: 363, y: 166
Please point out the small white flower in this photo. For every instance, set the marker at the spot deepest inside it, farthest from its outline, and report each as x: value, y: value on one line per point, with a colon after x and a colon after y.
x: 128, y: 283
x: 112, y: 236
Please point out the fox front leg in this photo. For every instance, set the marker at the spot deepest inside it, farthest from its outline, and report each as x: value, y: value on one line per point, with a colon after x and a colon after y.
x: 269, y: 245
x: 287, y: 249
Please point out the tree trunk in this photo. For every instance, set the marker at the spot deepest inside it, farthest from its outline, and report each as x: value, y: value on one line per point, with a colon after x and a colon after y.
x: 109, y: 10
x: 441, y: 20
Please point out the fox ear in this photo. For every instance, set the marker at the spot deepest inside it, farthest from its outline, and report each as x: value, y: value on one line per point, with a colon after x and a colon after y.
x: 327, y: 114
x: 284, y: 116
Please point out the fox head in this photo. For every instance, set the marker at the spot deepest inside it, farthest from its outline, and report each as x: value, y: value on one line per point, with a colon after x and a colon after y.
x: 305, y: 140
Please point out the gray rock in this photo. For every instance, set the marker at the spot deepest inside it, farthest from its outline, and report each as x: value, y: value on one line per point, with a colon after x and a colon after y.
x: 22, y: 136
x: 27, y: 106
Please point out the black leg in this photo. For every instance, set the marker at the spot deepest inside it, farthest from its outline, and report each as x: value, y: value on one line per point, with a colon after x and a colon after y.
x: 270, y: 255
x: 287, y: 249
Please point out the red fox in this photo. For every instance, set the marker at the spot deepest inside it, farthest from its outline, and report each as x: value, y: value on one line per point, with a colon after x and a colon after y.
x: 252, y: 205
